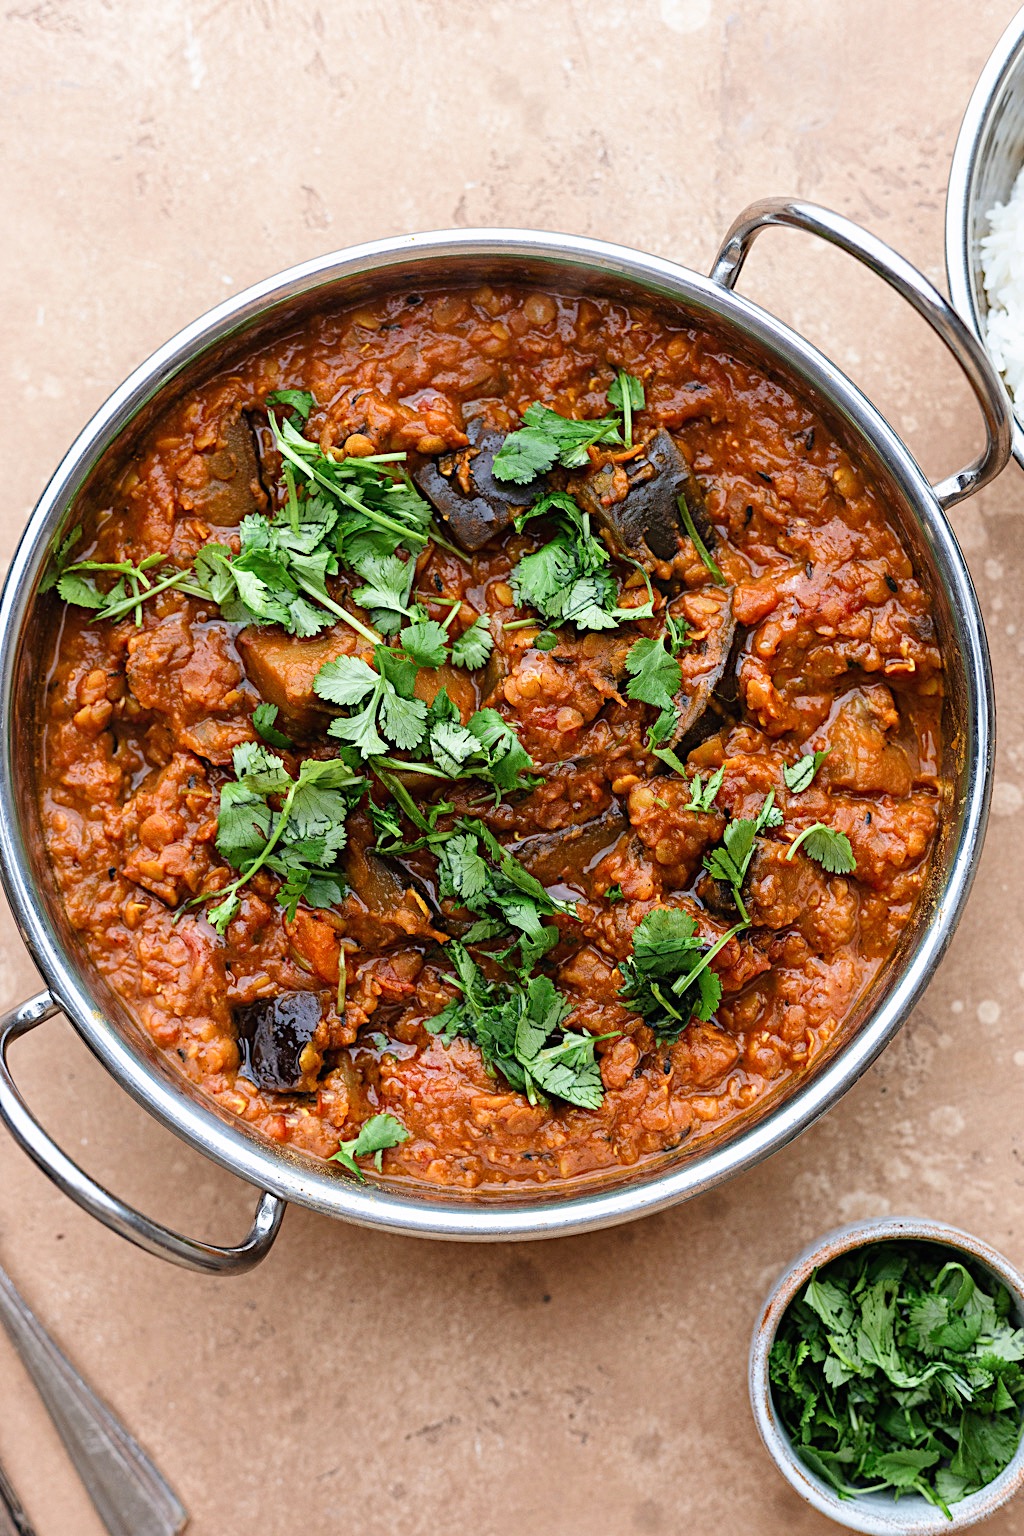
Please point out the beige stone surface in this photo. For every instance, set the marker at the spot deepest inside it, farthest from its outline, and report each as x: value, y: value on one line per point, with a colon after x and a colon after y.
x: 157, y: 157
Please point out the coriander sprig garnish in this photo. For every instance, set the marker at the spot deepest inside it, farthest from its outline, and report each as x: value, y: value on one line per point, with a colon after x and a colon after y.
x: 275, y: 579
x: 375, y: 1136
x: 827, y: 847
x: 703, y: 796
x: 626, y: 392
x: 547, y: 439
x: 731, y: 860
x: 655, y: 678
x: 135, y: 584
x: 385, y: 714
x: 798, y: 776
x: 668, y: 978
x: 569, y: 578
x: 392, y: 507
x: 482, y: 876
x: 299, y: 842
x: 518, y: 1026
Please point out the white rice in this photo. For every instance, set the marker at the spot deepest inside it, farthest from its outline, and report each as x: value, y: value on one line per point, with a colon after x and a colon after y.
x: 1002, y: 263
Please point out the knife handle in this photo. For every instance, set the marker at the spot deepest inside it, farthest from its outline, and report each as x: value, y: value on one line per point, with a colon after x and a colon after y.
x: 131, y: 1497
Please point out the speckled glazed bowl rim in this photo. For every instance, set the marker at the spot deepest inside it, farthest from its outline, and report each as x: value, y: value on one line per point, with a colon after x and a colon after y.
x: 875, y: 1514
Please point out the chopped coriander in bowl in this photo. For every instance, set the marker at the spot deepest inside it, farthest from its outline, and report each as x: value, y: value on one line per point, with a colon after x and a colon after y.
x: 887, y: 1377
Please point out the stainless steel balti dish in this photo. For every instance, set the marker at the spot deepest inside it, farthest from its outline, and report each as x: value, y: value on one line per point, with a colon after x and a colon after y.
x: 452, y: 258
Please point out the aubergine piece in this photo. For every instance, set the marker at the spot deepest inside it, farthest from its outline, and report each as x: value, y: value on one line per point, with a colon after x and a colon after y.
x: 282, y: 668
x: 716, y: 897
x: 233, y: 488
x: 462, y: 489
x: 710, y: 687
x: 566, y: 857
x: 637, y: 502
x: 276, y: 1042
x: 383, y: 884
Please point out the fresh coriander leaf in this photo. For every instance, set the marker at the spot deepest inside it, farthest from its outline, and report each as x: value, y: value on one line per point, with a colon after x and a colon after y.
x: 503, y: 760
x: 613, y: 893
x: 346, y: 681
x: 769, y: 815
x: 402, y: 719
x: 60, y: 559
x: 730, y: 861
x: 134, y: 584
x: 703, y: 796
x: 831, y: 849
x: 667, y: 979
x: 664, y: 723
x: 524, y: 455
x: 798, y: 776
x: 473, y: 647
x: 569, y: 577
x: 387, y: 583
x: 225, y: 911
x: 260, y: 771
x: 451, y: 746
x: 547, y: 438
x: 376, y: 1135
x: 299, y: 841
x: 519, y: 1027
x: 569, y: 1070
x: 298, y: 400
x: 390, y: 713
x: 655, y: 676
x: 626, y: 389
x: 663, y: 940
x: 626, y: 393
x: 902, y: 1469
x: 80, y: 590
x: 263, y: 718
x: 426, y: 642
x: 477, y: 872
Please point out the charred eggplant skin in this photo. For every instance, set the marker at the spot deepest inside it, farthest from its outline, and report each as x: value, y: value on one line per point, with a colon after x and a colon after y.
x: 233, y: 489
x: 275, y: 1041
x: 462, y: 489
x: 636, y: 502
x: 707, y: 702
x: 568, y: 855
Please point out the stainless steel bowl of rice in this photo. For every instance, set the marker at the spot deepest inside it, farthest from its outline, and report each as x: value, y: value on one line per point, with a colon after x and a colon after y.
x: 985, y: 216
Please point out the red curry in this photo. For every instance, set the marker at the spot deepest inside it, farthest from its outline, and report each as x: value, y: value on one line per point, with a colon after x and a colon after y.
x: 818, y: 637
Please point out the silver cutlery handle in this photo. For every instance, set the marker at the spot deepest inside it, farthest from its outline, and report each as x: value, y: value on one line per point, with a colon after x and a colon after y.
x: 13, y: 1519
x: 130, y: 1495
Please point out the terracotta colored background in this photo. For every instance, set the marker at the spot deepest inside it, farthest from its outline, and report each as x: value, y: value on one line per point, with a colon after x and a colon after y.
x: 155, y: 157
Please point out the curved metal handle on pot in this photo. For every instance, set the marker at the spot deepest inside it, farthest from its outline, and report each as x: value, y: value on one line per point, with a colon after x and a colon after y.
x: 208, y: 1258
x: 918, y: 291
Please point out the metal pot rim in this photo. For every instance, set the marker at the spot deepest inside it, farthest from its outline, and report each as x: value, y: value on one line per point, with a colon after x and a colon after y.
x: 324, y: 1189
x: 962, y: 186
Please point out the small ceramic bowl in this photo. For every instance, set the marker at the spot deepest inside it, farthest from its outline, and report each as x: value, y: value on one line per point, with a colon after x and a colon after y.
x: 877, y: 1514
